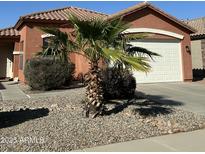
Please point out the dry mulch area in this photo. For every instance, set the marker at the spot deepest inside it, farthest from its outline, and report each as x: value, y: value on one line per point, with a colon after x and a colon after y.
x: 57, y: 123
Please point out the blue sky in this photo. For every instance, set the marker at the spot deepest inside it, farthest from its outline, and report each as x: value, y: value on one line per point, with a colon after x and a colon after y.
x: 11, y: 11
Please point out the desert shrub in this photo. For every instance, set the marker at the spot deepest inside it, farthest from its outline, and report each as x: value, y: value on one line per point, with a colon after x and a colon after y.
x: 118, y: 83
x: 46, y: 73
x: 71, y: 72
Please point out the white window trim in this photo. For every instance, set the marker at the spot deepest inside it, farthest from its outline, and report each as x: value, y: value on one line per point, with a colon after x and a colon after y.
x: 46, y: 35
x: 152, y: 30
x: 17, y: 52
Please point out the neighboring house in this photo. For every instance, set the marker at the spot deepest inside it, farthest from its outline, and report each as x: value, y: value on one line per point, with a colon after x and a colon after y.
x: 198, y: 43
x: 168, y: 36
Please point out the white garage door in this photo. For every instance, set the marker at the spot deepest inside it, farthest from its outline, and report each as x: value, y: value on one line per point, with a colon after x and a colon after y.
x: 167, y: 68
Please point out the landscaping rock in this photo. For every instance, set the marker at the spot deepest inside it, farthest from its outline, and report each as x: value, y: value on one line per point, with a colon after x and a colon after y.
x: 56, y: 123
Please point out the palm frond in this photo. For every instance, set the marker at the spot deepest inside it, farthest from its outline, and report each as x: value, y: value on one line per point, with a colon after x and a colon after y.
x: 136, y: 63
x: 88, y: 29
x: 113, y: 31
x: 134, y: 50
x: 59, y: 44
x: 62, y: 37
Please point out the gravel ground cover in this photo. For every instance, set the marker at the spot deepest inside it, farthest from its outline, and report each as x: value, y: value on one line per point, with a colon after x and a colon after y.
x: 57, y: 123
x: 27, y: 90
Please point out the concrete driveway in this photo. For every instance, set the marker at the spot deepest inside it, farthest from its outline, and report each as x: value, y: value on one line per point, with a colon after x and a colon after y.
x: 188, y: 96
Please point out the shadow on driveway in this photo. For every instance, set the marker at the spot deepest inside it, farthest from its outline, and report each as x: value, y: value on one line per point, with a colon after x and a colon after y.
x: 2, y: 86
x: 12, y: 118
x: 148, y: 105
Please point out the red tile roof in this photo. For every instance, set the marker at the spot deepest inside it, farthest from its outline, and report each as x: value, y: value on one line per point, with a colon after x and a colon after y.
x: 61, y: 15
x: 8, y: 32
x: 199, y: 25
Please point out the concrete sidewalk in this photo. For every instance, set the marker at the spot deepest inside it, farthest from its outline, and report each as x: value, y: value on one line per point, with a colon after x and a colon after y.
x: 187, y: 142
x: 10, y: 91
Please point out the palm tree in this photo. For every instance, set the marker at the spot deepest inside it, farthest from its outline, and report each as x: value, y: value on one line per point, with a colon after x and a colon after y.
x: 97, y: 40
x: 100, y: 39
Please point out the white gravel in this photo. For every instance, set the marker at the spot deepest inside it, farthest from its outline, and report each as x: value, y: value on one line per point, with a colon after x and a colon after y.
x: 57, y: 123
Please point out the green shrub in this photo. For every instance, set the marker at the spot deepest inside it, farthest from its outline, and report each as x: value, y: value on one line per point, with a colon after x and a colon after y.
x: 46, y: 73
x: 118, y: 83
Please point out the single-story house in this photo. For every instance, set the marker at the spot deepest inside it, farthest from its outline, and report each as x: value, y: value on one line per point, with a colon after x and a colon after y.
x: 198, y: 43
x: 169, y: 37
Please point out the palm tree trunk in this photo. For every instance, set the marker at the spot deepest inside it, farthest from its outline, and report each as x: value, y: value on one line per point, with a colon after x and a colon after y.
x: 94, y: 92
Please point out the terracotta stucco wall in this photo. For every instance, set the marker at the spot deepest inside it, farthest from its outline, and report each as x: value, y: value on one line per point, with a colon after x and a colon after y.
x: 16, y: 66
x: 31, y: 36
x: 148, y: 18
x: 23, y: 40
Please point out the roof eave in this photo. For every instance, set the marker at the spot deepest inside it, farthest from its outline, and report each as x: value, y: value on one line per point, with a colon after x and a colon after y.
x: 21, y: 22
x: 9, y: 37
x: 197, y: 37
x: 148, y: 5
x: 18, y: 24
x: 121, y: 15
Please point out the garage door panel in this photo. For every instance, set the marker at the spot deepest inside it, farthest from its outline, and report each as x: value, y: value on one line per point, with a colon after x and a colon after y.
x: 167, y: 67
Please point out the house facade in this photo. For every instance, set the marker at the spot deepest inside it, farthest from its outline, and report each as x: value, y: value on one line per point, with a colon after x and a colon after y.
x: 167, y: 36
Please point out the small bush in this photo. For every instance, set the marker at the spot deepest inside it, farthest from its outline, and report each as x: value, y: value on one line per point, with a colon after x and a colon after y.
x: 118, y: 83
x: 198, y: 74
x: 46, y: 73
x: 71, y: 72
